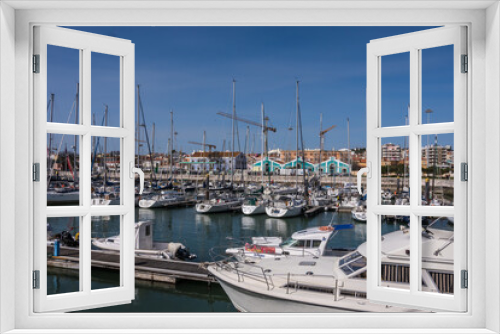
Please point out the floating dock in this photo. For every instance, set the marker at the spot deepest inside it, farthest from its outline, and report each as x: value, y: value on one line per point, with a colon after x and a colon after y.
x: 314, y: 211
x: 150, y: 269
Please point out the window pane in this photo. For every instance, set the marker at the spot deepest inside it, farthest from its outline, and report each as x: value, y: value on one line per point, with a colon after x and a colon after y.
x: 63, y: 241
x: 105, y: 171
x: 437, y: 84
x: 395, y: 253
x: 437, y: 254
x: 438, y: 170
x: 395, y: 171
x: 105, y: 90
x: 106, y: 251
x: 63, y: 73
x: 395, y: 91
x: 63, y: 169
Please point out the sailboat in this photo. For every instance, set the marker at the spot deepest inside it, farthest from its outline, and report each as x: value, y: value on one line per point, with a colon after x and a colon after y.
x: 227, y: 201
x: 255, y: 206
x: 106, y: 195
x: 296, y: 206
x: 61, y: 193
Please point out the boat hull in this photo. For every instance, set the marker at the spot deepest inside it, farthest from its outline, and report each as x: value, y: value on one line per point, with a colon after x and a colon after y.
x: 56, y: 198
x: 286, y: 212
x: 359, y: 216
x: 215, y: 208
x: 250, y: 210
x: 249, y: 301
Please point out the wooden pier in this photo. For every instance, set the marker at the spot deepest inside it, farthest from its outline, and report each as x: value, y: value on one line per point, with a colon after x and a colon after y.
x: 151, y: 269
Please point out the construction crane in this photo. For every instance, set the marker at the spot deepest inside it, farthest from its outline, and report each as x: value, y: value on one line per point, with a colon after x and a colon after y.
x: 264, y: 126
x: 210, y: 146
x: 322, y: 138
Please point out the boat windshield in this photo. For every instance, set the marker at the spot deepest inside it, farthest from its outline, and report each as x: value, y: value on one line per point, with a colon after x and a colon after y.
x: 288, y: 242
x: 352, y: 263
x: 300, y: 243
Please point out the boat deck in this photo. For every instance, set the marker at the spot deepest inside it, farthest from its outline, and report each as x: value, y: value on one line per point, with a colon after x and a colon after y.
x: 150, y: 269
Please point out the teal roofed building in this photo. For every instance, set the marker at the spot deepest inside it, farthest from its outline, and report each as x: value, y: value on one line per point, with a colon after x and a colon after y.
x: 333, y: 165
x: 269, y: 165
x: 293, y: 165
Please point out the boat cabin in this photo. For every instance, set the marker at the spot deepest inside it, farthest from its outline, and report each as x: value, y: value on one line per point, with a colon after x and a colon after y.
x: 144, y: 235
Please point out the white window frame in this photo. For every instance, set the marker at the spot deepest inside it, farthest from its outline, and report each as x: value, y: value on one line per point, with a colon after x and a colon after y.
x: 85, y: 44
x: 483, y: 21
x: 414, y: 44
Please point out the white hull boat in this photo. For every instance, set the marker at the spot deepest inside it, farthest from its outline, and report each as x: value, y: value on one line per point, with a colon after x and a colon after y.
x: 103, y: 201
x: 335, y: 283
x: 359, y: 214
x: 61, y: 198
x: 215, y: 206
x: 261, y: 291
x: 253, y: 209
x: 285, y: 210
x: 309, y: 242
x: 159, y: 201
x: 144, y: 245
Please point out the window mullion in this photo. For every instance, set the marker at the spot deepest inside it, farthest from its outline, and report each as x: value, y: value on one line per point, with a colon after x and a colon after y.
x: 85, y: 251
x: 86, y: 170
x: 415, y: 98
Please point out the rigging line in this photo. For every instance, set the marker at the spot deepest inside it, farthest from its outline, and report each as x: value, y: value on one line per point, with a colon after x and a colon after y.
x: 303, y: 153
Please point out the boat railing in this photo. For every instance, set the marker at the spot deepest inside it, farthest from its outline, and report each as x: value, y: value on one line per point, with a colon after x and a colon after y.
x: 246, y: 270
x: 298, y: 282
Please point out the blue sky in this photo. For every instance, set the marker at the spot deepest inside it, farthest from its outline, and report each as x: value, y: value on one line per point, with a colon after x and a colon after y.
x: 190, y: 70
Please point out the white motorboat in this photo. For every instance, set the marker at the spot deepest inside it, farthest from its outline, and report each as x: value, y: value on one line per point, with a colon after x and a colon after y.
x: 144, y: 245
x: 335, y: 283
x: 311, y: 241
x: 286, y: 209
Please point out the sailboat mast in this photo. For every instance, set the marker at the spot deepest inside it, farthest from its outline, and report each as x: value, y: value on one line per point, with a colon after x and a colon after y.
x: 349, y: 155
x: 154, y: 139
x: 266, y: 131
x: 297, y: 136
x: 77, y: 105
x: 321, y: 142
x: 138, y: 128
x: 232, y: 132
x: 203, y: 156
x: 172, y: 142
x: 404, y: 150
x: 105, y: 145
x: 50, y: 136
x: 264, y: 151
